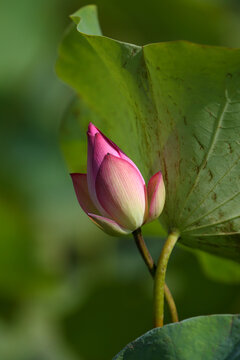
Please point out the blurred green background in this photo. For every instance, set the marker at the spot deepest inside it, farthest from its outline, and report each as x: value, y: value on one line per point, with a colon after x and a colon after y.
x: 67, y: 291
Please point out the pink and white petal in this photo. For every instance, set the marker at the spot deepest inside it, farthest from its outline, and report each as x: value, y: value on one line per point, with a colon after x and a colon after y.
x: 92, y: 131
x: 121, y: 192
x: 102, y: 147
x: 81, y: 190
x: 156, y: 196
x: 90, y: 175
x: 98, y: 148
x: 108, y: 225
x: 114, y: 149
x: 123, y: 155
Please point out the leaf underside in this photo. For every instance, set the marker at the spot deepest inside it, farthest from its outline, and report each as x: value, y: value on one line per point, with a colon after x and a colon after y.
x: 170, y: 106
x: 214, y: 337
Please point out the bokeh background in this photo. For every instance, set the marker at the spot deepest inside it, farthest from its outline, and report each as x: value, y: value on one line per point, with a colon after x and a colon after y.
x: 67, y: 291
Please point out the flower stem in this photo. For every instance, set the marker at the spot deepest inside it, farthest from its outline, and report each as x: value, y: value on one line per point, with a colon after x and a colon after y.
x: 160, y: 277
x: 142, y: 247
x: 171, y: 303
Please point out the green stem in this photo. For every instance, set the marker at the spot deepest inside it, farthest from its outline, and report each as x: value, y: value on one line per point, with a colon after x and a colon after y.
x: 159, y: 283
x: 171, y: 303
x: 142, y: 247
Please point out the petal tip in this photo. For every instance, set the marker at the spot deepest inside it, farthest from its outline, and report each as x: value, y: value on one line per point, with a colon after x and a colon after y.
x: 92, y: 129
x: 157, y: 175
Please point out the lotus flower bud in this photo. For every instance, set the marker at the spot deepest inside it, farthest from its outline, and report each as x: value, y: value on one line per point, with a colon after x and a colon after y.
x: 113, y: 192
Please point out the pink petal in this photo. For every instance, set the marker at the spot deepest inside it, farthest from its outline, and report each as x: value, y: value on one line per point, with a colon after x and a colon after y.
x: 114, y: 149
x: 108, y: 225
x: 125, y: 157
x: 98, y: 147
x: 101, y: 148
x: 121, y: 192
x: 156, y: 196
x: 92, y: 129
x: 90, y: 177
x: 81, y: 190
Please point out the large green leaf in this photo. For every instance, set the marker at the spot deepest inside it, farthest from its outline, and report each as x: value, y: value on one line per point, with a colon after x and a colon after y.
x: 173, y: 106
x: 215, y: 337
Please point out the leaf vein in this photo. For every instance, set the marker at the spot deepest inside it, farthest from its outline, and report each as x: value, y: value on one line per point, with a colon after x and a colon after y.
x: 212, y: 224
x: 208, y: 154
x: 215, y: 185
x: 211, y: 211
